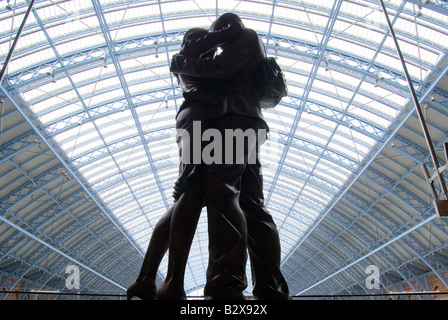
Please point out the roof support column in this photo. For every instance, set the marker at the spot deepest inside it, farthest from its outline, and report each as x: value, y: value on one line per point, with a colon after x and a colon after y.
x: 437, y: 202
x: 385, y: 245
x: 13, y: 225
x: 16, y: 39
x: 321, y: 48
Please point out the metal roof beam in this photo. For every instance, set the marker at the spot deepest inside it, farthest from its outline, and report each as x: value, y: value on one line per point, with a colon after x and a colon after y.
x: 305, y: 98
x: 322, y: 46
x: 362, y: 170
x: 385, y: 245
x: 417, y: 107
x: 13, y: 225
x: 16, y: 39
x: 110, y: 46
x: 67, y: 167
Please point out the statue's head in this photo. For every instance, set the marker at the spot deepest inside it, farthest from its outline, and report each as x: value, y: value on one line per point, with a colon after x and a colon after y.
x: 194, y: 33
x: 224, y: 20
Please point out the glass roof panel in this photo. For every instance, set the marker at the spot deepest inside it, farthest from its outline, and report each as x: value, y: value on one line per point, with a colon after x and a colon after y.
x: 83, y: 98
x: 80, y: 43
x: 28, y: 59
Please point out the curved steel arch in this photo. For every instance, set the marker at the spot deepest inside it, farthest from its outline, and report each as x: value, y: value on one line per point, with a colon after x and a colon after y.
x: 342, y: 233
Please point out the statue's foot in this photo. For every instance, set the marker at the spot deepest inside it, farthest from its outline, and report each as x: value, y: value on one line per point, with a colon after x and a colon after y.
x: 141, y: 291
x: 166, y: 292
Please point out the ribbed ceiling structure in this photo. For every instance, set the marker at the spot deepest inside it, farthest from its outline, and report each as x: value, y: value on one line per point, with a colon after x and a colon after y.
x: 88, y: 154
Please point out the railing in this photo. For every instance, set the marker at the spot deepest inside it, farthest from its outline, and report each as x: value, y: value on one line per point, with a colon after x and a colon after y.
x: 56, y: 295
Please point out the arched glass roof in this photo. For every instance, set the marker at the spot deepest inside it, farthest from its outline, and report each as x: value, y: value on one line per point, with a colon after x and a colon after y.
x: 89, y: 157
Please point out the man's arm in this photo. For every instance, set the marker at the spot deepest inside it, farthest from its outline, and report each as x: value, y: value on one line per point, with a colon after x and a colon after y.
x: 198, y: 46
x: 225, y: 65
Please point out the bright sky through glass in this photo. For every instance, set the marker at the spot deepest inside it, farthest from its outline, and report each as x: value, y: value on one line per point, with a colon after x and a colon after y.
x: 111, y: 113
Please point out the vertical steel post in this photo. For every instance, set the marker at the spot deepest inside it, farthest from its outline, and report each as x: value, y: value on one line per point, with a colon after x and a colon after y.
x: 417, y: 106
x: 19, y: 32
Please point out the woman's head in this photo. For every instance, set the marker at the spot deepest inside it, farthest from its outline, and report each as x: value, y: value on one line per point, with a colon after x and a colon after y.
x: 194, y: 33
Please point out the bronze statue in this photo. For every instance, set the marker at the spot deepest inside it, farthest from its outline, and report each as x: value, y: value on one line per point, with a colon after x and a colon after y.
x: 218, y: 93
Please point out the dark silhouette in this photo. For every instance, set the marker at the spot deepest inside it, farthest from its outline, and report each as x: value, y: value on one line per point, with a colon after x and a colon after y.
x: 234, y: 201
x: 188, y: 192
x: 227, y: 211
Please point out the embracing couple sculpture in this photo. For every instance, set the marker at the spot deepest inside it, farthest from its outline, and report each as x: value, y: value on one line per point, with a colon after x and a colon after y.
x: 218, y: 92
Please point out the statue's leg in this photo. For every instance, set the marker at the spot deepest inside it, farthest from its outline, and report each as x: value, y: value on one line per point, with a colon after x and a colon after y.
x: 263, y: 239
x: 145, y: 285
x: 183, y: 226
x: 227, y: 231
